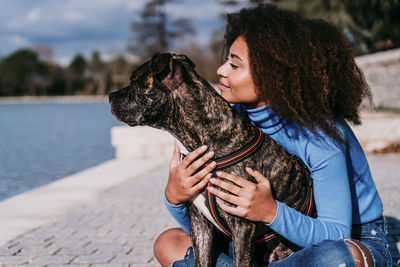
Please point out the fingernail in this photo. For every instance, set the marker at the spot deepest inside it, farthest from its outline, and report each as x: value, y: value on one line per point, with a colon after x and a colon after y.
x: 208, y: 176
x: 210, y: 189
x: 212, y: 180
x: 212, y: 164
x: 219, y: 173
x: 203, y: 147
x: 210, y: 154
x: 249, y: 169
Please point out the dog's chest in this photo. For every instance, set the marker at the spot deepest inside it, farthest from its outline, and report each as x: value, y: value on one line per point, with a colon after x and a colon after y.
x: 200, y: 203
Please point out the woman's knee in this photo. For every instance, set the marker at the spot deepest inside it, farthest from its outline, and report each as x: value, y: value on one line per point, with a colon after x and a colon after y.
x: 361, y: 254
x: 171, y: 245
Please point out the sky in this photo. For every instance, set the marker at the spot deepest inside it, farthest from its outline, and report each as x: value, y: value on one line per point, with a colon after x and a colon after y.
x: 82, y: 26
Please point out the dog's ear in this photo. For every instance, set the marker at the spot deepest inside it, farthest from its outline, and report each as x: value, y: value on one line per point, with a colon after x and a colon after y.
x: 174, y: 78
x: 190, y: 62
x: 140, y: 71
x: 159, y: 62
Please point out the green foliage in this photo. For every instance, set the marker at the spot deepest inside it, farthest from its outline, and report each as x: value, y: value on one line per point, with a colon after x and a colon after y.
x: 17, y: 70
x: 370, y: 25
x: 78, y: 65
x: 96, y: 64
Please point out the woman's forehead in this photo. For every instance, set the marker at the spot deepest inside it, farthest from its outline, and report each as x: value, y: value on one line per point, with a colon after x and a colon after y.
x: 239, y: 49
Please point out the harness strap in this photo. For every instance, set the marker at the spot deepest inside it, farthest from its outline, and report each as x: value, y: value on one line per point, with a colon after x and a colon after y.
x: 263, y: 233
x: 240, y: 154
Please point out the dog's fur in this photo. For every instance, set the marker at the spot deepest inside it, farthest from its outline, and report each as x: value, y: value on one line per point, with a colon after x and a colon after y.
x: 166, y: 93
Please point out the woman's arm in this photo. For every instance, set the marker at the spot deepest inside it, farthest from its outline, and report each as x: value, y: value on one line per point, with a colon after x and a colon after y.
x: 179, y: 213
x: 333, y: 202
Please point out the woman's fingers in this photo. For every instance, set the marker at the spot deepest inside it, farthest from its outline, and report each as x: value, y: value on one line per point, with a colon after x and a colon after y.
x: 237, y: 210
x: 225, y: 196
x: 235, y: 179
x: 234, y: 189
x: 202, y: 173
x: 261, y: 179
x: 200, y: 185
x: 200, y: 162
x: 175, y: 156
x: 193, y: 155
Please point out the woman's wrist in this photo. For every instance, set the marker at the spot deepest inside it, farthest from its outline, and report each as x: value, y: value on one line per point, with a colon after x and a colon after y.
x: 272, y: 214
x: 169, y: 197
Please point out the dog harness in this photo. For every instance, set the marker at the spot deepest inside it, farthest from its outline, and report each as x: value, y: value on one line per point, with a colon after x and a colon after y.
x: 263, y: 233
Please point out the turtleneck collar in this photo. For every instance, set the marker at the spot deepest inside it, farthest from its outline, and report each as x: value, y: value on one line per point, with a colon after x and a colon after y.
x: 265, y: 118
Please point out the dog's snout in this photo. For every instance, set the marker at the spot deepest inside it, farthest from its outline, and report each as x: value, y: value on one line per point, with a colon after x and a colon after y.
x: 111, y: 96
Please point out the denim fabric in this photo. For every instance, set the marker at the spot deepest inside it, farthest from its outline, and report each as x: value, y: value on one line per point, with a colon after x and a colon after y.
x: 327, y: 253
x: 222, y: 261
x: 373, y: 236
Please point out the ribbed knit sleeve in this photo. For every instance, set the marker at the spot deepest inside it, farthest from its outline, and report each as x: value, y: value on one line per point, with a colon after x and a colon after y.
x: 180, y: 214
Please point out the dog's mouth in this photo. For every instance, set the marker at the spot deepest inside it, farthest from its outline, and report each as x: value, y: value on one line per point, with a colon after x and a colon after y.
x: 119, y: 116
x: 132, y: 123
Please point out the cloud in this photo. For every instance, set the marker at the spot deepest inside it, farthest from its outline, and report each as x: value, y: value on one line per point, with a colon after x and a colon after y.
x: 73, y: 17
x: 34, y: 15
x: 18, y: 40
x: 81, y: 26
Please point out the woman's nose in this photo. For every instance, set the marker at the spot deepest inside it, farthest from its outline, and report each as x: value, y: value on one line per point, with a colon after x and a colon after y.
x: 221, y: 71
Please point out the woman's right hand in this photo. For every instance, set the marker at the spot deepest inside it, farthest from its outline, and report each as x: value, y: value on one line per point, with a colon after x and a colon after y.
x: 184, y: 182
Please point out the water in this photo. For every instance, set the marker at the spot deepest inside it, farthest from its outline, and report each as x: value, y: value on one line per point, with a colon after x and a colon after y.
x: 40, y: 143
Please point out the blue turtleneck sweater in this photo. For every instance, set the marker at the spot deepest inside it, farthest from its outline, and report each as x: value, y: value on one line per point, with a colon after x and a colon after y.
x: 344, y: 190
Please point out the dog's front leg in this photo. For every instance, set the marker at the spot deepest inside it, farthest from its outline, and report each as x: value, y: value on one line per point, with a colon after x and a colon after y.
x: 243, y: 245
x: 201, y: 233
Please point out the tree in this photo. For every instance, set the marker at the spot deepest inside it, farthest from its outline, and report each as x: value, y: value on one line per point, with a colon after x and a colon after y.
x: 78, y: 65
x: 154, y: 31
x: 98, y: 73
x: 119, y: 71
x: 44, y: 51
x: 75, y: 74
x: 19, y: 70
x: 369, y: 25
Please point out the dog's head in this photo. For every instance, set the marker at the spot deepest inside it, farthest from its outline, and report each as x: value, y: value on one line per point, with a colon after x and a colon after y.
x: 149, y: 98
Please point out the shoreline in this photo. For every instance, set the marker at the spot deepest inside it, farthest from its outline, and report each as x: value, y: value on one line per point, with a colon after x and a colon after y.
x: 7, y: 100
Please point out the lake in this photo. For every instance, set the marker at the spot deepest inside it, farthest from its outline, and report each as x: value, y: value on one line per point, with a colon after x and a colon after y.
x: 43, y: 142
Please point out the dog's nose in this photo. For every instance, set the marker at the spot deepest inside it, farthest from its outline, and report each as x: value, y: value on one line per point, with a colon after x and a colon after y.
x: 111, y: 95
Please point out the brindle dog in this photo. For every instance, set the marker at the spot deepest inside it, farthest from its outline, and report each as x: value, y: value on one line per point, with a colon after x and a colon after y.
x: 167, y: 93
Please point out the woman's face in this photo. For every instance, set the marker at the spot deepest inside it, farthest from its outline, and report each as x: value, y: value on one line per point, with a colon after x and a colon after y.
x: 236, y: 83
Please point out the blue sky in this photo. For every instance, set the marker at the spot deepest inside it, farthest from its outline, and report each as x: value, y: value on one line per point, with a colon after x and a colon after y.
x: 81, y: 26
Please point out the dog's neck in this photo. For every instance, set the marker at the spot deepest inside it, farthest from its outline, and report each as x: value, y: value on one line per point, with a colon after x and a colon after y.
x: 210, y: 122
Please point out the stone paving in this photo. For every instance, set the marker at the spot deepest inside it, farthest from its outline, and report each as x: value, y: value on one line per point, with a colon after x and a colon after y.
x: 120, y: 226
x: 117, y: 229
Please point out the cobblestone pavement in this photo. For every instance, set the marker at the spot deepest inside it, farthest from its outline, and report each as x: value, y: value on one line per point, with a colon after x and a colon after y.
x: 119, y: 228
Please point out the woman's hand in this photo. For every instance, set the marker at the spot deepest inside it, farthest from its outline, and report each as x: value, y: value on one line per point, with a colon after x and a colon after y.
x: 183, y: 182
x: 254, y: 201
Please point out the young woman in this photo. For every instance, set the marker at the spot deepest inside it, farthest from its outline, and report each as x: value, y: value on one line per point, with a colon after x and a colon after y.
x: 296, y: 80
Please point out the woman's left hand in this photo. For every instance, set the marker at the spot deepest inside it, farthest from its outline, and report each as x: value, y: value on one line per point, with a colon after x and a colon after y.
x: 254, y: 201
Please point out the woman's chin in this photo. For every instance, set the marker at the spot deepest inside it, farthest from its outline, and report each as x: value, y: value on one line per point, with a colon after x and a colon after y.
x: 225, y: 95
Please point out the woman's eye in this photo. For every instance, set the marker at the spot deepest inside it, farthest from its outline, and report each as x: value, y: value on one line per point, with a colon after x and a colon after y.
x: 233, y: 66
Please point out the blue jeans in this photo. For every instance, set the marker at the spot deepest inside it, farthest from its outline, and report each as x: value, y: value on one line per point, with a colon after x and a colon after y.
x: 326, y: 253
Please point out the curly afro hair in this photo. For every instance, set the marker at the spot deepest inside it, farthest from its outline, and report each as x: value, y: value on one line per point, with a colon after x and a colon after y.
x: 303, y: 67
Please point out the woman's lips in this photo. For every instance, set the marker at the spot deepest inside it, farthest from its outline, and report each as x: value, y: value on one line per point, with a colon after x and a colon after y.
x: 222, y: 86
